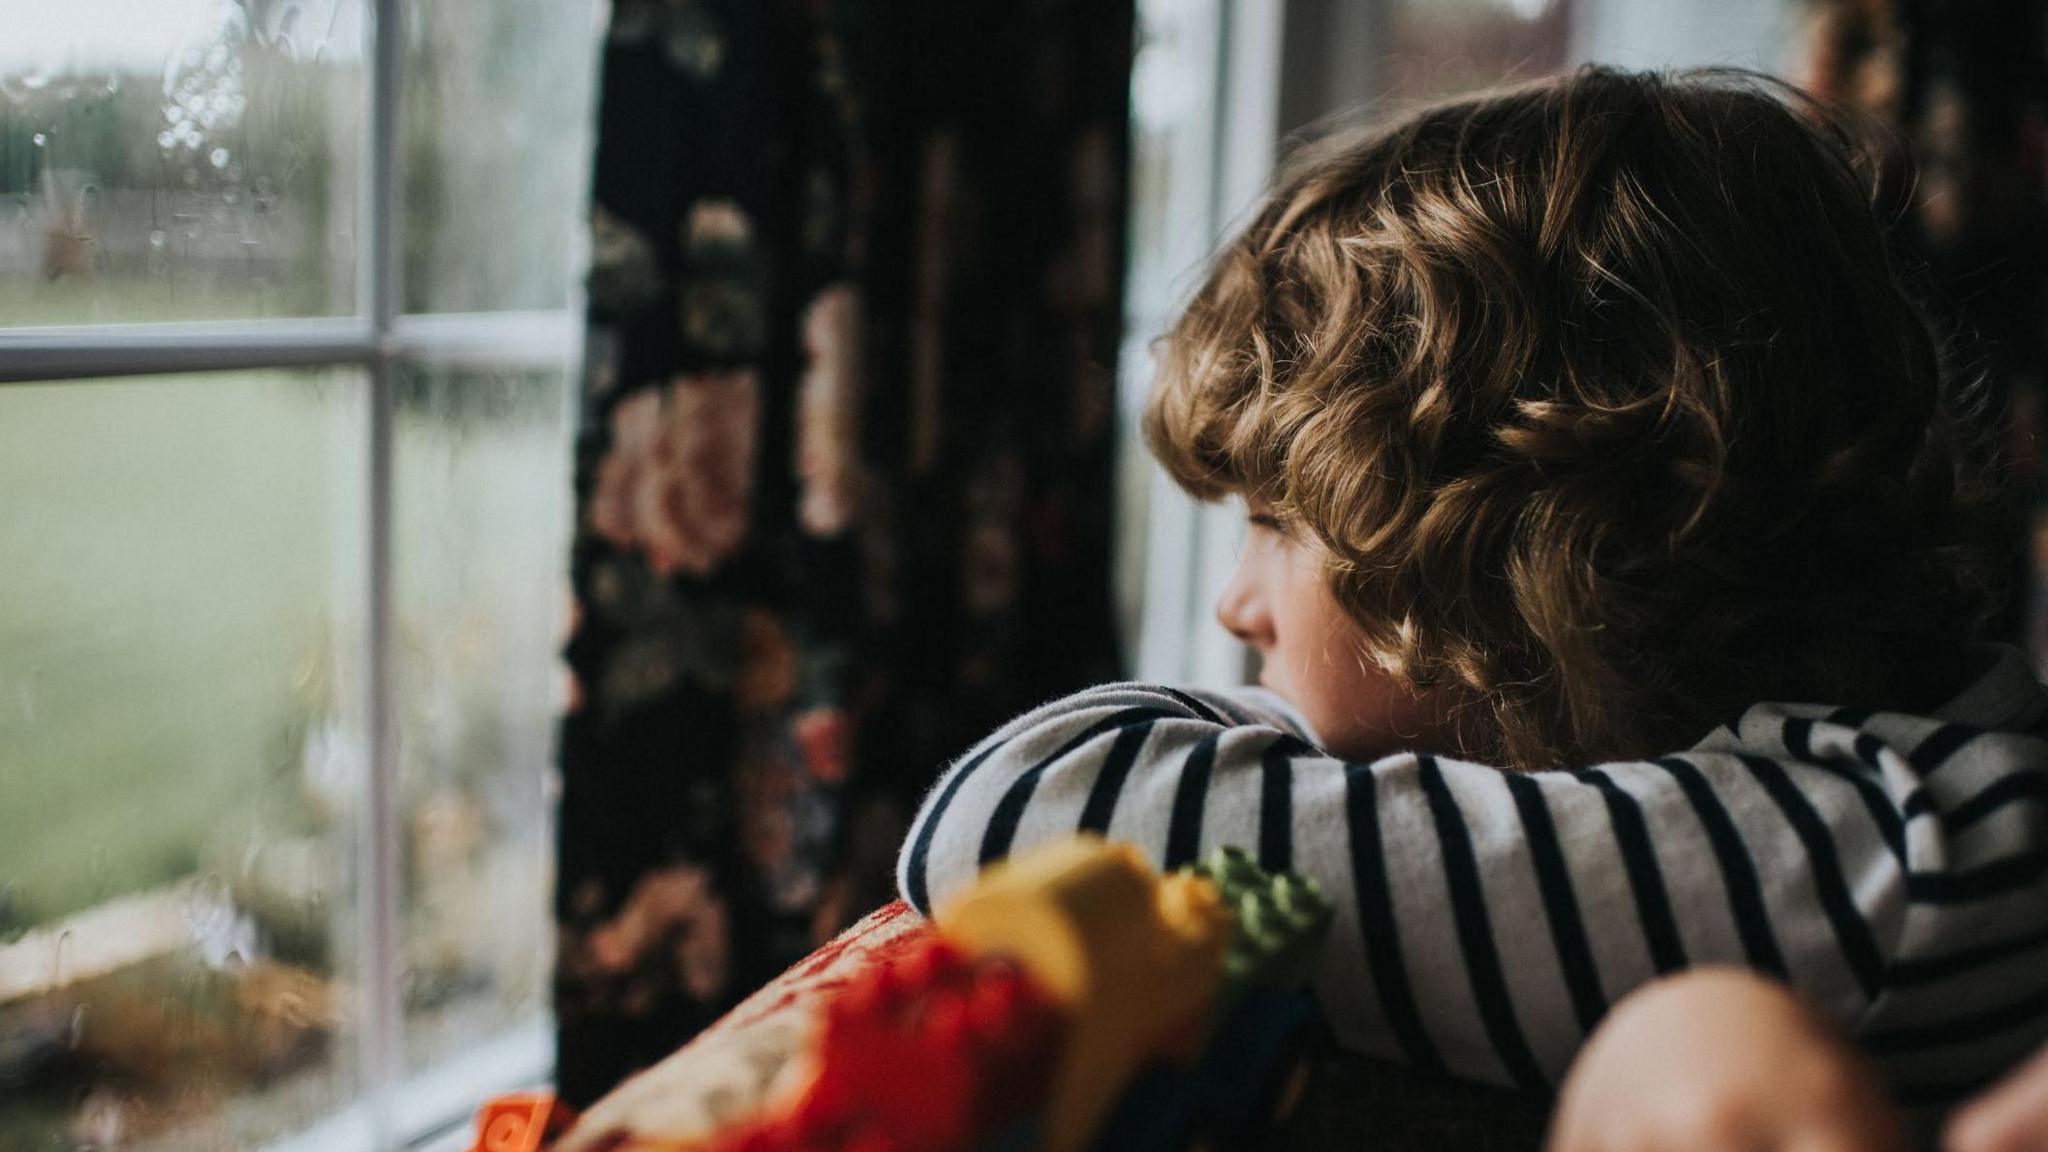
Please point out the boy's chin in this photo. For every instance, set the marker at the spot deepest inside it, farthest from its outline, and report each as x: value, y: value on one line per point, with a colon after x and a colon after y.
x: 1363, y: 750
x: 1345, y: 738
x: 1348, y: 736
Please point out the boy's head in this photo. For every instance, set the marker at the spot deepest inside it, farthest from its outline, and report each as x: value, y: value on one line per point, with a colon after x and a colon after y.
x: 1600, y: 413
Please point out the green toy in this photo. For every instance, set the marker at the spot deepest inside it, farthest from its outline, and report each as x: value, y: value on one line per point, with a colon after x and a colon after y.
x: 1281, y: 919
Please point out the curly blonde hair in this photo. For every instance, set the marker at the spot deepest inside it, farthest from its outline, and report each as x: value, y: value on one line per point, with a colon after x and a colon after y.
x: 1608, y: 407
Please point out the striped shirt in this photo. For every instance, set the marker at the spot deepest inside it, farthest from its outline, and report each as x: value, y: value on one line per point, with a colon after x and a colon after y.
x: 1893, y: 868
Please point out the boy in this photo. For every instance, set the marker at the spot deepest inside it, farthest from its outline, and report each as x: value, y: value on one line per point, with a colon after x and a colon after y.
x: 1586, y: 433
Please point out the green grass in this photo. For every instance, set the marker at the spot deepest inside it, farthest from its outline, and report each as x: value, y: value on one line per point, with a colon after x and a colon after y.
x: 77, y: 300
x: 182, y: 595
x: 174, y: 558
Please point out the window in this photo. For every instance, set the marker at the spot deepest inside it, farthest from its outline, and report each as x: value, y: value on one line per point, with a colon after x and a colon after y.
x: 288, y: 315
x: 1203, y: 90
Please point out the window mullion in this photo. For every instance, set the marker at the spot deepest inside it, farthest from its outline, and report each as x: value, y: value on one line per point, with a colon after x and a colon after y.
x: 381, y: 1007
x: 31, y: 355
x: 545, y: 339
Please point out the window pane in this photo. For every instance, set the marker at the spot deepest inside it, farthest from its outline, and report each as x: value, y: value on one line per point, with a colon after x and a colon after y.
x: 499, y: 97
x: 181, y: 756
x: 482, y: 536
x: 1437, y: 50
x: 178, y: 159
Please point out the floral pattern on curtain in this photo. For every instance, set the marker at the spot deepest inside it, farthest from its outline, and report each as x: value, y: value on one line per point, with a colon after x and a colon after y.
x: 844, y: 469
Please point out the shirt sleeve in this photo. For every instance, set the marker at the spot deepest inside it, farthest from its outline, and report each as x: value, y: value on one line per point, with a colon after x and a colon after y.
x: 1485, y: 920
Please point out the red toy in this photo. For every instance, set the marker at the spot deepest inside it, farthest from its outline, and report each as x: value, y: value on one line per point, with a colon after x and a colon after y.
x: 933, y: 1052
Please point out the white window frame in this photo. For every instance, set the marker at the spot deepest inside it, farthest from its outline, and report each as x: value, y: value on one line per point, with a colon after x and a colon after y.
x: 392, y: 1110
x: 1230, y: 132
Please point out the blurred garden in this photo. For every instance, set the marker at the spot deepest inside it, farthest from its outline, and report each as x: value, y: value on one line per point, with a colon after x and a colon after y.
x: 183, y: 669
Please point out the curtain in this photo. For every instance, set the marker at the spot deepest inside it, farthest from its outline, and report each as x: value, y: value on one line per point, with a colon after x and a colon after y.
x: 1965, y: 88
x: 843, y: 472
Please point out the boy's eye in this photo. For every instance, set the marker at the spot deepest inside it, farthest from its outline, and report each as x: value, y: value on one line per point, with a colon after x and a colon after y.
x: 1266, y: 521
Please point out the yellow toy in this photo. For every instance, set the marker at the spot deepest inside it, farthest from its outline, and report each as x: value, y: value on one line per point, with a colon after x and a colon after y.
x: 1135, y: 959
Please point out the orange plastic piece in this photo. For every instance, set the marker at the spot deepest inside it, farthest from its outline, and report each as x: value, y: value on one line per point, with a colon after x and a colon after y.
x: 1135, y: 959
x: 521, y: 1122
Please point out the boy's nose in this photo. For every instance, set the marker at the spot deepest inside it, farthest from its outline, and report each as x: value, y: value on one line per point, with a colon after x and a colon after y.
x: 1242, y: 612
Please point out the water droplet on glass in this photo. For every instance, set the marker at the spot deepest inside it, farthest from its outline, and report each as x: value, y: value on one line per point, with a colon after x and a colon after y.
x: 165, y: 139
x: 113, y: 85
x: 203, y: 81
x: 74, y: 1034
x: 157, y: 238
x: 57, y: 957
x: 218, y: 157
x: 35, y: 79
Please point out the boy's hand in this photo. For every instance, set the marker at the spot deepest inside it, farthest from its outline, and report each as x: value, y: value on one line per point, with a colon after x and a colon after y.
x: 2012, y: 1117
x: 1719, y: 1061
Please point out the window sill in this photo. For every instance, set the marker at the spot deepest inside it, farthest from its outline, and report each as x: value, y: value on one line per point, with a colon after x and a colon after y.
x: 433, y: 1111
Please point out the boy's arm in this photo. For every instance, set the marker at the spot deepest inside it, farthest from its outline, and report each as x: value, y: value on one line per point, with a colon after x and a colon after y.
x: 1118, y: 736
x: 1485, y: 920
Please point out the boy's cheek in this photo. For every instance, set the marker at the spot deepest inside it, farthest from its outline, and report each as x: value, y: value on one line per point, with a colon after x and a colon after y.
x: 1273, y: 676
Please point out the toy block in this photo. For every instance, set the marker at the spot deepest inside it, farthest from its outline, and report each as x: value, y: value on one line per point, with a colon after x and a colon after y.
x: 1135, y: 959
x: 521, y: 1122
x: 1280, y: 920
x: 934, y: 1051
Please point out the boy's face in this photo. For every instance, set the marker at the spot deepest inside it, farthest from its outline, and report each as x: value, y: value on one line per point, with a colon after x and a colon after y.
x: 1315, y: 655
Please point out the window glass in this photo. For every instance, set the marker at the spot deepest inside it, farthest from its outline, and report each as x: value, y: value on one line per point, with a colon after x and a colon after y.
x: 178, y: 159
x: 498, y: 103
x: 1172, y: 152
x: 181, y: 756
x: 481, y: 539
x: 1442, y: 48
x: 1168, y: 221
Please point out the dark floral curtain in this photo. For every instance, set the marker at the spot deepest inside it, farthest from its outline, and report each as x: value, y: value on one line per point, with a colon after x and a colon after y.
x: 844, y: 466
x: 1965, y: 85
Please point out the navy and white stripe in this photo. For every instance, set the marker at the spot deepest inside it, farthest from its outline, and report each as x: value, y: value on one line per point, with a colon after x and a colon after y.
x: 1894, y: 868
